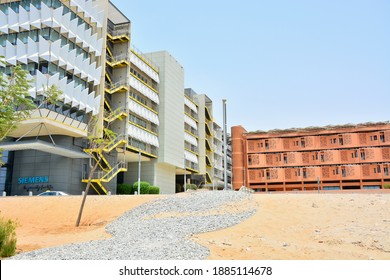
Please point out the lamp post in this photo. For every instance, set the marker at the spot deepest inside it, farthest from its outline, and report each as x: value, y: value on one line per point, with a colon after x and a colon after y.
x: 139, y: 173
x: 224, y: 146
x: 185, y: 175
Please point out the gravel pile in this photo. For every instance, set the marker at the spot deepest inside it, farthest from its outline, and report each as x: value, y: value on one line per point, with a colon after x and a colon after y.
x: 155, y: 231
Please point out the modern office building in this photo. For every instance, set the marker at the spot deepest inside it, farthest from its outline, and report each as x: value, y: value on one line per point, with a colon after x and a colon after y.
x: 349, y: 157
x: 162, y: 169
x: 85, y: 48
x: 61, y: 43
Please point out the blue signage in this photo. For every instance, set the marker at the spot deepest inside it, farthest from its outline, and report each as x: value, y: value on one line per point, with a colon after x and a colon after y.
x: 33, y: 180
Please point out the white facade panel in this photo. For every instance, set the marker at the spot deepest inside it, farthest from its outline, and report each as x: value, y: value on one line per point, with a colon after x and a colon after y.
x: 190, y: 122
x: 143, y: 112
x: 190, y: 105
x: 171, y: 89
x: 143, y: 89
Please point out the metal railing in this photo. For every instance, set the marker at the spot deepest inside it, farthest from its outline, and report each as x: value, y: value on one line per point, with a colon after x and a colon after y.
x: 117, y: 84
x: 113, y: 114
x: 114, y: 171
x: 118, y: 58
x: 114, y: 142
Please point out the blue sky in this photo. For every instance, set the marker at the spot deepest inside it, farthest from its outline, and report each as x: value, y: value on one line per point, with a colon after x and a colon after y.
x: 279, y: 63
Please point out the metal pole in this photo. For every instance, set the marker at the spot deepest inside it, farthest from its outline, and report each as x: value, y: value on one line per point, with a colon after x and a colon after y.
x: 224, y: 146
x: 185, y: 175
x: 139, y: 173
x: 318, y: 181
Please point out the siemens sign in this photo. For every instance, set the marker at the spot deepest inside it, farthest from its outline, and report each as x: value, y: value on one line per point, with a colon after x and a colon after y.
x: 33, y: 180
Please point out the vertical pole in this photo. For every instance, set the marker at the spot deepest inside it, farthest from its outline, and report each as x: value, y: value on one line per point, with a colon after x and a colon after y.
x: 139, y: 173
x: 224, y: 146
x: 185, y: 175
x: 318, y: 182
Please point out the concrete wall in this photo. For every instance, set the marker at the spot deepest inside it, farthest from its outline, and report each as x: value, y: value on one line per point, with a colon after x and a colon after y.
x: 165, y: 178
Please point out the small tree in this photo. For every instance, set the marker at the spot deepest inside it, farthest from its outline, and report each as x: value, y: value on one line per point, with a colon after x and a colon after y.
x: 15, y: 100
x: 95, y: 143
x: 16, y: 103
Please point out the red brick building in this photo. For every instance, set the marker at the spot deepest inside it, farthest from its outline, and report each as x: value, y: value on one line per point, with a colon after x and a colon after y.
x: 333, y: 158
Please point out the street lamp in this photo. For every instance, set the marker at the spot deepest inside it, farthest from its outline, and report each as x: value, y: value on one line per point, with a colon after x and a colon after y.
x: 224, y: 146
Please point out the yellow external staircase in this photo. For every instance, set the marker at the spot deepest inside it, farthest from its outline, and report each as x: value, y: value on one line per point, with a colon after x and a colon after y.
x: 118, y: 87
x: 108, y: 171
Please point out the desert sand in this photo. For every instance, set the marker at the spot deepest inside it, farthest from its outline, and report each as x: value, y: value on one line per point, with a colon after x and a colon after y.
x: 310, y: 226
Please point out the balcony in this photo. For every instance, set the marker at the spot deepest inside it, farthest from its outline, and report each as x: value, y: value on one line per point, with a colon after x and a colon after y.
x: 191, y: 166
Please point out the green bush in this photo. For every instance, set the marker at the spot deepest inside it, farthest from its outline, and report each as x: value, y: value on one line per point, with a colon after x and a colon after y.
x: 386, y: 186
x: 154, y: 190
x: 144, y: 189
x: 7, y: 238
x: 125, y: 189
x: 191, y: 187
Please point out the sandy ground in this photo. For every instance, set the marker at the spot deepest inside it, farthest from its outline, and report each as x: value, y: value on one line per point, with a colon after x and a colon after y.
x: 286, y: 225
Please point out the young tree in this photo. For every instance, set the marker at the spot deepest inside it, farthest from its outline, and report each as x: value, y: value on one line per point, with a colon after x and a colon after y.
x: 95, y: 143
x: 16, y: 103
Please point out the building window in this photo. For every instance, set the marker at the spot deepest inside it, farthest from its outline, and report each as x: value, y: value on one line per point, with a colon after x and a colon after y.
x: 43, y: 67
x: 382, y: 137
x: 362, y: 154
x: 303, y: 142
x: 341, y: 141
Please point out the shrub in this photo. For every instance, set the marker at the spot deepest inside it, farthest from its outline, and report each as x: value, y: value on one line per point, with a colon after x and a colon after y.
x: 191, y: 187
x: 7, y: 238
x: 144, y: 189
x: 125, y: 189
x: 386, y: 186
x: 154, y: 190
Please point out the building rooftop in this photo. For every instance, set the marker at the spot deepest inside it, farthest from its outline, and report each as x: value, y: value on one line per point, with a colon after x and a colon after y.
x: 320, y: 128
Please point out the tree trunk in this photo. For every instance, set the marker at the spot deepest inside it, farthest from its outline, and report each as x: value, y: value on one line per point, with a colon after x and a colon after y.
x: 85, y: 194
